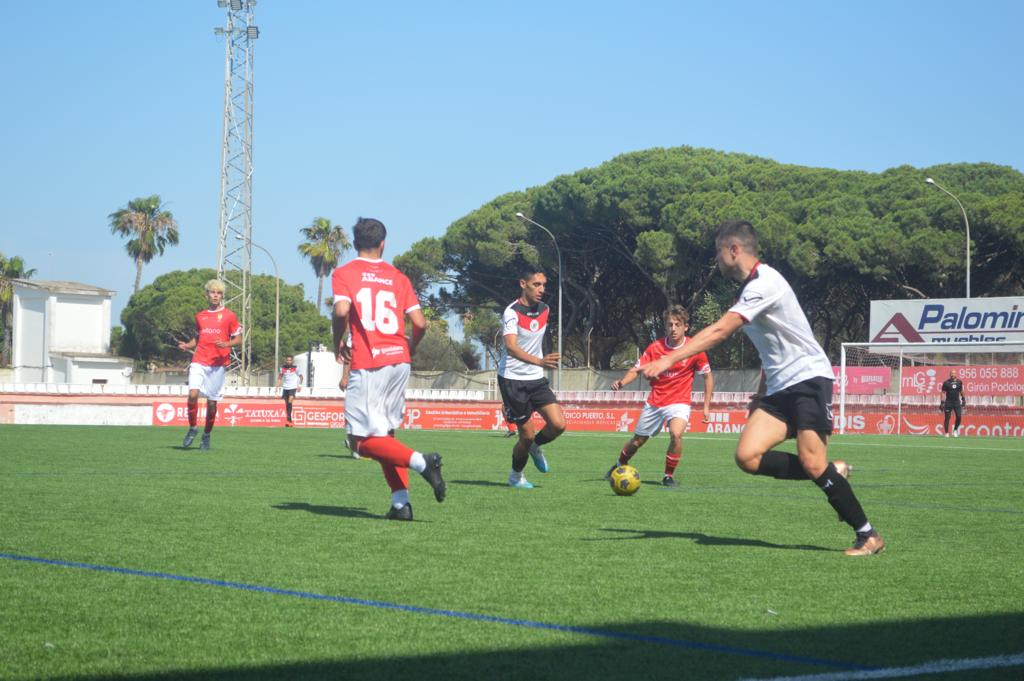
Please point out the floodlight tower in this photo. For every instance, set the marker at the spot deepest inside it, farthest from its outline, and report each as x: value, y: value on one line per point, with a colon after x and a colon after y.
x: 234, y: 246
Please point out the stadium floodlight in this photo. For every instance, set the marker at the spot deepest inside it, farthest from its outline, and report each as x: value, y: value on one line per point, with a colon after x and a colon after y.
x: 252, y: 32
x: 967, y: 225
x: 236, y: 5
x: 277, y: 303
x: 522, y: 217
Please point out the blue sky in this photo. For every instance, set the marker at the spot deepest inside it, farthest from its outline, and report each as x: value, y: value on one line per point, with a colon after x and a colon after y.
x: 418, y: 113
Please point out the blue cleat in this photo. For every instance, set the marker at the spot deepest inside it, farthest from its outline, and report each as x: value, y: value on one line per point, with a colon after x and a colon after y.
x: 521, y: 483
x: 537, y: 454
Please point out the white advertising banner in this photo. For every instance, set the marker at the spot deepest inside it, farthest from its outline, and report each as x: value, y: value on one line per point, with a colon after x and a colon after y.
x: 948, y: 321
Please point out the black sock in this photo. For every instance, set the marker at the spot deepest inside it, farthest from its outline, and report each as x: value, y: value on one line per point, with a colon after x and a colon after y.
x: 782, y: 466
x: 543, y: 439
x: 288, y: 408
x: 841, y: 497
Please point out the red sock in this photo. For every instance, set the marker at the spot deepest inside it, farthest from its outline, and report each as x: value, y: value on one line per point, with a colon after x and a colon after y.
x: 624, y: 457
x: 671, y: 461
x: 193, y: 414
x: 398, y: 478
x: 386, y: 450
x: 211, y: 416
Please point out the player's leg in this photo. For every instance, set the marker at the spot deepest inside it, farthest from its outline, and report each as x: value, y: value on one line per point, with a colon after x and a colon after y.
x: 754, y: 453
x: 676, y: 428
x: 627, y: 452
x: 554, y: 425
x: 378, y: 402
x: 516, y: 409
x: 958, y: 410
x: 213, y: 386
x: 195, y: 382
x: 289, y: 398
x: 946, y: 411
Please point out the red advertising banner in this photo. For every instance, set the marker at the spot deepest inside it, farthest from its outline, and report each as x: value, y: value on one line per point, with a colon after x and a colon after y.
x: 622, y: 419
x: 997, y: 381
x: 863, y: 380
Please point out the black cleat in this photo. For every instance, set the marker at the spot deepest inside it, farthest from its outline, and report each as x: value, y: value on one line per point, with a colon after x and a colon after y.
x: 432, y: 475
x: 204, y: 443
x: 189, y: 437
x: 403, y: 513
x: 669, y: 481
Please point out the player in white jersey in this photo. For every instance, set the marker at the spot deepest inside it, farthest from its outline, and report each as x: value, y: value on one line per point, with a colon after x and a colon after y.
x: 524, y: 389
x: 797, y: 385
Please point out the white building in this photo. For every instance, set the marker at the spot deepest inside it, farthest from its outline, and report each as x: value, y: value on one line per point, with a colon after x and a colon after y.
x: 62, y: 334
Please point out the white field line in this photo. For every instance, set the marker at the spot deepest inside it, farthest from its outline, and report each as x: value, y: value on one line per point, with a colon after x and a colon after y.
x: 936, y: 667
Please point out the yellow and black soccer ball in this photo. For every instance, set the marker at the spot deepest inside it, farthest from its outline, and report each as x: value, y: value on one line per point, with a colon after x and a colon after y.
x: 625, y: 480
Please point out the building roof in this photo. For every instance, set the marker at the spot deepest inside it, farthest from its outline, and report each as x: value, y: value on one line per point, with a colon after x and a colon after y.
x: 63, y: 287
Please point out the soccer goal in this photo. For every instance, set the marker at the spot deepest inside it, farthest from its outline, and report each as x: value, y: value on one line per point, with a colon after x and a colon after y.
x: 895, y: 388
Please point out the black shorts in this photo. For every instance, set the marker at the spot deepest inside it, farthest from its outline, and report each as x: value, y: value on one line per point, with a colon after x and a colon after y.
x: 804, y: 406
x: 521, y: 398
x: 289, y: 393
x: 955, y: 407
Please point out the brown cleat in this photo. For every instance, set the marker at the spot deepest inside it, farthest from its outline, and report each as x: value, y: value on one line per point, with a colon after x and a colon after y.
x: 866, y: 545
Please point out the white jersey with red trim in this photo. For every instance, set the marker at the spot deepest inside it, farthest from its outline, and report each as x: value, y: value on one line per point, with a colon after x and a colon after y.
x: 528, y: 325
x: 778, y: 328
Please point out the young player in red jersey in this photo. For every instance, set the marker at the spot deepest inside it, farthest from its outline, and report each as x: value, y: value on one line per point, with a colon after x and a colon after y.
x: 669, y: 400
x: 217, y: 331
x: 372, y: 299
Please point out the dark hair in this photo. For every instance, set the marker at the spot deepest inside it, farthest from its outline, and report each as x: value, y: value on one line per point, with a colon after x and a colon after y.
x: 679, y: 312
x: 368, y: 233
x: 739, y: 231
x: 527, y: 272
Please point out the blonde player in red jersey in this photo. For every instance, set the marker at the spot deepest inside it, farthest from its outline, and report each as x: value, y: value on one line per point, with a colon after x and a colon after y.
x: 372, y: 299
x: 669, y: 400
x: 217, y: 331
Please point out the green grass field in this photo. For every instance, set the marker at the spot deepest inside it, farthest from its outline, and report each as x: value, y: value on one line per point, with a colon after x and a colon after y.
x: 728, y: 577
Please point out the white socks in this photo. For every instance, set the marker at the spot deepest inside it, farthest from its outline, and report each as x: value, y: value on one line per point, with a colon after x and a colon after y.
x: 400, y: 498
x: 417, y: 462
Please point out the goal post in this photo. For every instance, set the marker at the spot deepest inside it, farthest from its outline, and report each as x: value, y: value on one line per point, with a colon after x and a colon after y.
x: 895, y: 388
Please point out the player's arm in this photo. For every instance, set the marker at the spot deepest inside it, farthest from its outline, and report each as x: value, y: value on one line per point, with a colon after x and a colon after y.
x: 280, y: 376
x: 345, y: 371
x: 339, y: 328
x: 234, y: 341
x: 963, y: 394
x: 189, y: 346
x: 709, y: 387
x: 419, y: 328
x: 942, y: 396
x: 626, y: 379
x: 708, y: 338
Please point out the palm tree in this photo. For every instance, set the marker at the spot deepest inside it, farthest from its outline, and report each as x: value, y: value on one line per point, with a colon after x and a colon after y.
x: 10, y: 269
x: 323, y: 248
x: 149, y: 230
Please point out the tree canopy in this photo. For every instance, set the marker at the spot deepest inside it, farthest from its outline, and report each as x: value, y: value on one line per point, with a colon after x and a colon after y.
x: 163, y: 313
x: 636, y: 235
x: 149, y: 228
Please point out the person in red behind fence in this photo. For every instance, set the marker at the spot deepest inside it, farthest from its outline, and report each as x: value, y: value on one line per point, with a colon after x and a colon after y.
x: 217, y: 331
x: 371, y: 300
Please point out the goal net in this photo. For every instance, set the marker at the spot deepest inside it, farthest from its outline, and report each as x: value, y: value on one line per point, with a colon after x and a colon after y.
x: 891, y: 388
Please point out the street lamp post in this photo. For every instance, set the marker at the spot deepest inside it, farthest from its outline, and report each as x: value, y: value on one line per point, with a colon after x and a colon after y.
x: 967, y: 225
x: 277, y: 306
x: 560, y: 277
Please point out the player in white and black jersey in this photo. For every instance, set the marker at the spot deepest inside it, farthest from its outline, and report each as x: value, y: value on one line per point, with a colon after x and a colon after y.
x: 797, y: 385
x: 524, y: 388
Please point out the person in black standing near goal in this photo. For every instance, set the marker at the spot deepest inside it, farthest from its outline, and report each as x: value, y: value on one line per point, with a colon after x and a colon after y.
x: 952, y: 402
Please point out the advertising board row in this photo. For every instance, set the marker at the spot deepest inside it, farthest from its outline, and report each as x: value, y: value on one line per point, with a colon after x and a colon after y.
x: 487, y: 416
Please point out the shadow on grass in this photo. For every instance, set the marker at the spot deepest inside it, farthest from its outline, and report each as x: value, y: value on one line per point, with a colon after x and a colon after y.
x: 646, y: 651
x: 704, y: 539
x: 336, y: 511
x: 478, y: 483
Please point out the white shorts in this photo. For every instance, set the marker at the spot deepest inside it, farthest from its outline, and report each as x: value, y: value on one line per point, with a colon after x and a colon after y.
x: 207, y: 380
x: 375, y: 400
x: 653, y: 418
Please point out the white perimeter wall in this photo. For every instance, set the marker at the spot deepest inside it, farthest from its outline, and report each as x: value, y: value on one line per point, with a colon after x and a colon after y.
x: 79, y: 414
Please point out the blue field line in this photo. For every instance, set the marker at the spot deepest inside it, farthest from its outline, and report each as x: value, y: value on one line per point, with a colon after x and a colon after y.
x: 529, y: 624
